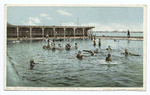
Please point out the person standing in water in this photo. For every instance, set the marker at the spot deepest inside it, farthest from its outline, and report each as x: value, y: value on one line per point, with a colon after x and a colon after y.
x: 32, y: 63
x: 128, y: 34
x: 47, y: 36
x: 76, y: 45
x: 48, y: 45
x: 95, y: 37
x: 99, y: 42
x: 94, y: 42
x: 108, y: 57
x: 53, y: 47
x: 91, y: 37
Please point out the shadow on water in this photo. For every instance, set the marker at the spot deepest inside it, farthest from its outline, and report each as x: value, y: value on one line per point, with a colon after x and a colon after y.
x: 99, y: 47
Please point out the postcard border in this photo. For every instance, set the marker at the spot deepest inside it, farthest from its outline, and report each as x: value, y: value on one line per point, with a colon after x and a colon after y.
x: 84, y: 88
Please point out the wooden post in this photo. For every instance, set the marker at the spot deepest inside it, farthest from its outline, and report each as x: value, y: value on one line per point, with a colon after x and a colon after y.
x: 74, y: 31
x: 64, y: 32
x: 43, y: 33
x: 54, y: 32
x: 30, y: 32
x: 17, y: 31
x: 83, y: 32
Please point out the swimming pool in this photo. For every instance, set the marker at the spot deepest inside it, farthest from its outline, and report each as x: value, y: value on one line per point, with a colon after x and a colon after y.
x: 61, y: 68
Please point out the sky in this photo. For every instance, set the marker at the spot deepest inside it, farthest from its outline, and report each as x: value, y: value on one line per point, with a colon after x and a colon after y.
x: 103, y: 18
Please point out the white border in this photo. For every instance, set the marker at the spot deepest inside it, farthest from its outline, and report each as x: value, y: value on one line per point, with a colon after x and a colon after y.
x: 87, y: 88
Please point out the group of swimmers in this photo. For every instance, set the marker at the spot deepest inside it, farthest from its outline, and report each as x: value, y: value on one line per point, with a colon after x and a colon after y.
x: 108, y: 58
x: 22, y: 38
x: 79, y: 55
x: 67, y: 47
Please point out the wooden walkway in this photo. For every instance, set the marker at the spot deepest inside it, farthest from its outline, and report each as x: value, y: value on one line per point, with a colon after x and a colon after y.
x: 97, y: 37
x: 119, y: 37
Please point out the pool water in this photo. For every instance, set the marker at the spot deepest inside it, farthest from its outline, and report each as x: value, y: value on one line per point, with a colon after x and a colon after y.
x: 61, y: 68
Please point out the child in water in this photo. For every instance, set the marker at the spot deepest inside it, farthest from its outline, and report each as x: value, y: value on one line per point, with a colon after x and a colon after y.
x: 108, y: 48
x: 126, y: 51
x: 53, y: 46
x: 96, y: 51
x: 76, y: 45
x: 47, y: 36
x: 59, y: 44
x: 79, y: 56
x: 94, y: 42
x: 99, y: 42
x: 32, y: 63
x: 92, y: 53
x: 48, y: 45
x: 68, y: 46
x: 108, y: 57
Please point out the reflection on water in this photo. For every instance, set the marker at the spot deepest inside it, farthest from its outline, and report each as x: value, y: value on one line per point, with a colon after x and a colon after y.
x: 61, y: 68
x: 128, y: 41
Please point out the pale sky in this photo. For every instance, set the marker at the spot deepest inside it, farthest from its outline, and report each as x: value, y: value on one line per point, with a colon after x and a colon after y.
x: 103, y: 18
